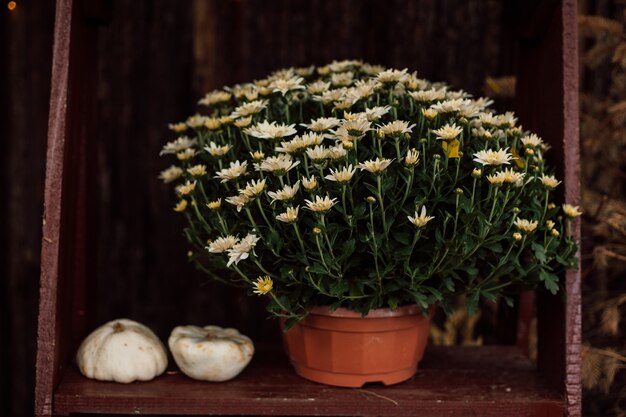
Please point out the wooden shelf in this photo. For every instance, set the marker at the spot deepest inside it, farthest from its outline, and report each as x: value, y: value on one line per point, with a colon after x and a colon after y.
x: 485, y: 381
x: 497, y: 380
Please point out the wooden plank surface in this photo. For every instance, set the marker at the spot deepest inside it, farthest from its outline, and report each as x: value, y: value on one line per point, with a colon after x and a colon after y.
x: 459, y: 381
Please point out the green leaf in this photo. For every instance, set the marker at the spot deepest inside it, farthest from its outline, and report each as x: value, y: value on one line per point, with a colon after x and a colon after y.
x: 539, y: 251
x: 549, y: 280
x: 318, y: 269
x: 472, y: 302
x: 339, y: 288
x: 347, y: 248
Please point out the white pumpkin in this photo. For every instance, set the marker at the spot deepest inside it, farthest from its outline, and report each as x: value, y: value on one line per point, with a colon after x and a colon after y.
x: 122, y: 351
x: 210, y: 353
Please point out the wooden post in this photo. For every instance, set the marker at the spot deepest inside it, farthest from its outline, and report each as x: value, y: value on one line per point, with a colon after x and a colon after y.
x: 547, y: 96
x: 64, y: 255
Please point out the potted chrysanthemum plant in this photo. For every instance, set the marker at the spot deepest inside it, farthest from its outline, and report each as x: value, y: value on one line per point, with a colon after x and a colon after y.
x: 356, y: 197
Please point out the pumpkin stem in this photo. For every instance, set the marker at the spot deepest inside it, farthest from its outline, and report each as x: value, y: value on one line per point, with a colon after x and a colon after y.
x: 118, y: 327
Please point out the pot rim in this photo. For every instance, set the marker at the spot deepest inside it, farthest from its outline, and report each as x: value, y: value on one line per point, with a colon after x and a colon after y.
x: 407, y: 310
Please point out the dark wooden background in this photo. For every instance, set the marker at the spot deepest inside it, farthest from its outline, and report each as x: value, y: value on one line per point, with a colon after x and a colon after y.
x: 155, y: 60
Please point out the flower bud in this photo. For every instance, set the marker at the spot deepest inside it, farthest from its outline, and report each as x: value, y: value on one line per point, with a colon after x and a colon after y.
x: 371, y: 199
x: 555, y: 233
x: 476, y: 173
x: 317, y: 230
x: 458, y: 191
x: 517, y: 236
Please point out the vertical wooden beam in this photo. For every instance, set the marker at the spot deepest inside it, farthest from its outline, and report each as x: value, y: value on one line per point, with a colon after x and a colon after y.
x: 547, y: 98
x: 64, y: 255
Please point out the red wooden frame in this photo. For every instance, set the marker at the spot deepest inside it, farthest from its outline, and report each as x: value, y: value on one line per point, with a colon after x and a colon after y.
x: 547, y: 79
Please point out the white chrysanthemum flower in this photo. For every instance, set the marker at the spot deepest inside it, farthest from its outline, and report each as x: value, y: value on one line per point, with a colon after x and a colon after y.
x: 282, y: 74
x: 491, y: 157
x: 277, y: 164
x: 420, y: 220
x: 186, y: 154
x: 331, y: 96
x: 481, y: 132
x: 263, y: 285
x: 320, y: 204
x: 449, y: 106
x: 214, y: 150
x: 253, y: 188
x: 284, y: 86
x: 469, y: 109
x: 361, y: 89
x: 196, y: 121
x: 448, y: 132
x: 532, y: 141
x: 197, y: 170
x: 292, y: 146
x: 312, y: 138
x: 372, y: 70
x: 549, y: 181
x: 241, y: 250
x: 375, y: 166
x: 374, y: 113
x: 414, y: 83
x: 322, y: 124
x: 343, y: 105
x: 395, y: 129
x: 222, y: 244
x: 214, y: 205
x: 392, y: 76
x: 512, y: 177
x: 318, y: 153
x: 412, y: 157
x: 457, y: 94
x: 290, y: 216
x: 318, y: 87
x: 181, y: 206
x: 429, y: 113
x: 239, y: 201
x: 353, y: 129
x: 287, y: 193
x: 249, y: 109
x: 342, y: 79
x: 177, y: 127
x: 342, y: 175
x: 527, y: 226
x: 487, y: 119
x: 243, y: 122
x: 186, y: 188
x: 309, y: 183
x: 425, y: 96
x: 213, y: 123
x: 571, y: 210
x: 337, y: 152
x: 507, y: 119
x: 346, y: 64
x: 267, y: 130
x: 305, y: 71
x: 300, y: 143
x: 496, y: 179
x: 483, y: 102
x: 178, y: 145
x: 257, y: 155
x: 215, y: 97
x: 236, y: 170
x: 171, y: 174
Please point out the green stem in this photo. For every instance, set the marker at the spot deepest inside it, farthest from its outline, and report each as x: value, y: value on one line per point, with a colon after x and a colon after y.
x: 380, y: 283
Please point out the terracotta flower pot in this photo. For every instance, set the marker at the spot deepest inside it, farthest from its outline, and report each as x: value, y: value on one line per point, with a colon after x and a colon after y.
x: 343, y: 348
